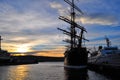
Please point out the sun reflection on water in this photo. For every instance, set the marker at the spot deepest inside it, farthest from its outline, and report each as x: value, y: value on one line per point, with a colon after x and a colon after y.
x: 18, y: 72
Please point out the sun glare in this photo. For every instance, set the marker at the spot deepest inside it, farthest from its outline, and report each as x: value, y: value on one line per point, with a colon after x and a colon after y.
x: 22, y: 49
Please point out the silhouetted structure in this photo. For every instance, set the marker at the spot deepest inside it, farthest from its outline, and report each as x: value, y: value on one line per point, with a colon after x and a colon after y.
x: 106, y: 58
x: 107, y: 41
x: 76, y: 54
x: 4, y: 55
x: 0, y: 42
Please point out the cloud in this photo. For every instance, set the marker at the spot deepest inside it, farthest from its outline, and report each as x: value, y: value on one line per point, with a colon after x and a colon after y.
x: 34, y: 23
x: 62, y: 9
x: 91, y: 19
x: 56, y: 52
x: 28, y: 27
x: 27, y: 19
x: 100, y: 19
x: 31, y: 20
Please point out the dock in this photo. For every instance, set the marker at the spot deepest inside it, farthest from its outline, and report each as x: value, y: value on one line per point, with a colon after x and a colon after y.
x: 105, y: 69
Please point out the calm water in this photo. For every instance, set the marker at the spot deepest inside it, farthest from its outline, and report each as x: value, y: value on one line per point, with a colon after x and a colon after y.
x: 45, y: 71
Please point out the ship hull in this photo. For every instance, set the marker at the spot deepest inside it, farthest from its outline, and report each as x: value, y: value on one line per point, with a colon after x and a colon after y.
x: 4, y: 60
x: 110, y: 61
x: 76, y: 58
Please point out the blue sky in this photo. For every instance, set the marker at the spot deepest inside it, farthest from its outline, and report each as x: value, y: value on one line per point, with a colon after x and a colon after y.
x: 33, y: 24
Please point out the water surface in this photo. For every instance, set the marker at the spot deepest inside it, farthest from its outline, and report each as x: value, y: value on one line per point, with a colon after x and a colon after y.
x: 45, y: 71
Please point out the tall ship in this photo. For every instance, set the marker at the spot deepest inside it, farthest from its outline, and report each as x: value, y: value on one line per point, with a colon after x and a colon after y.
x: 75, y: 55
x: 106, y: 57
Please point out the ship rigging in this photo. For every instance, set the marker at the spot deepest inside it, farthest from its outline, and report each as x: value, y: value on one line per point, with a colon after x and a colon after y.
x: 75, y: 55
x: 75, y: 37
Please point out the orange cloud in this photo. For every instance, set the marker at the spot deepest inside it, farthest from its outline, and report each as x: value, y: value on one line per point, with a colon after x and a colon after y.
x: 51, y: 53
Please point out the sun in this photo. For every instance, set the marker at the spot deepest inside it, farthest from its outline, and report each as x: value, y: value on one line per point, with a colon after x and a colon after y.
x: 22, y: 49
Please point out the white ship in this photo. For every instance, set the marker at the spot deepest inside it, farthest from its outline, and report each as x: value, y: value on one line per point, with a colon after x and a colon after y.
x: 108, y: 56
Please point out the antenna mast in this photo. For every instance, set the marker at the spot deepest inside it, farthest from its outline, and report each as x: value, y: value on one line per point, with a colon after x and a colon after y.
x: 108, y: 42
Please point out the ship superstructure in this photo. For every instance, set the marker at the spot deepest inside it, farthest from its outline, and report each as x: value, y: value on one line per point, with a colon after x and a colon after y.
x: 107, y: 57
x: 4, y: 55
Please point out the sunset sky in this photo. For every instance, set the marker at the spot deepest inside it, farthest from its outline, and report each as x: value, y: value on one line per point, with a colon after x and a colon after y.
x: 31, y: 25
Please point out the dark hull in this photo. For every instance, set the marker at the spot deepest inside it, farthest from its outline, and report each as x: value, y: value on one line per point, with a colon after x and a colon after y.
x: 4, y: 60
x: 76, y: 58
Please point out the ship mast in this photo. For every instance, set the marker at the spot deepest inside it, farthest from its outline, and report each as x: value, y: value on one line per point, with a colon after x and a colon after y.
x: 75, y: 39
x: 108, y: 41
x: 0, y: 42
x: 73, y: 32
